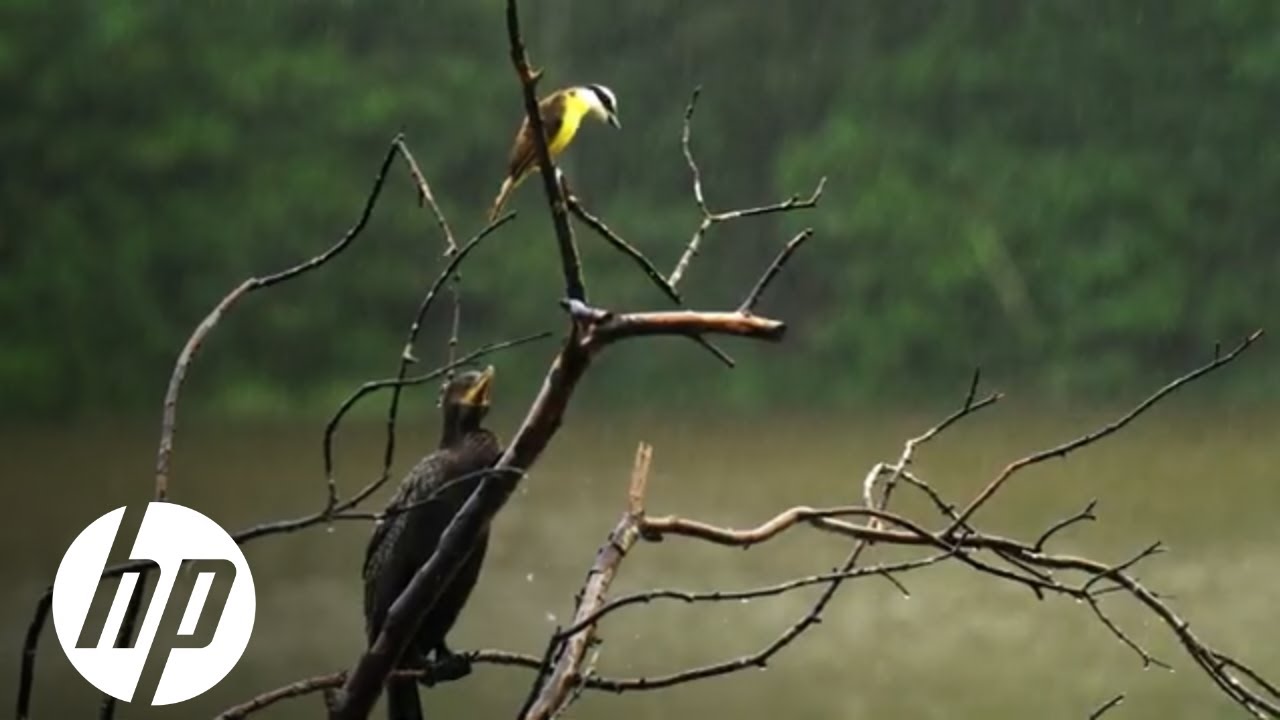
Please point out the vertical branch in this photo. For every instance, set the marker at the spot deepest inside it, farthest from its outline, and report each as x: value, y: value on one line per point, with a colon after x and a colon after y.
x: 707, y: 219
x: 428, y: 198
x: 567, y: 673
x: 570, y: 264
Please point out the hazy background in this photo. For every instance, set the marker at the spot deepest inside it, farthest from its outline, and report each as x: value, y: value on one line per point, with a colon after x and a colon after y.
x: 1080, y: 197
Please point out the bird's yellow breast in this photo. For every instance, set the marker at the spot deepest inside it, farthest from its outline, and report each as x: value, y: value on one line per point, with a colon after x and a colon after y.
x: 575, y: 108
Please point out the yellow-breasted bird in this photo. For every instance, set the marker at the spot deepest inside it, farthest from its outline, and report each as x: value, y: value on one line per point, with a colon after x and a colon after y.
x: 562, y: 112
x: 422, y: 507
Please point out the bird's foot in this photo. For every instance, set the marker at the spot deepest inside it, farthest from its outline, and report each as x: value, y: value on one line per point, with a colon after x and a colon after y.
x: 446, y: 666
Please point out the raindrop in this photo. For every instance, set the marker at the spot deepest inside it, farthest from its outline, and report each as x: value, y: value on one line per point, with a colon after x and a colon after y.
x: 529, y: 577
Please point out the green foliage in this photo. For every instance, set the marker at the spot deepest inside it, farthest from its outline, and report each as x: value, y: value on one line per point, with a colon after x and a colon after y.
x: 1075, y: 194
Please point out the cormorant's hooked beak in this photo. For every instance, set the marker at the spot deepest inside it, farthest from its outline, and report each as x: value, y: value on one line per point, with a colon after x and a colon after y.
x: 613, y: 120
x: 478, y: 394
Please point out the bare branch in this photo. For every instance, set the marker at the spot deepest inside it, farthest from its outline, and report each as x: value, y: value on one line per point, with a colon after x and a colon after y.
x: 710, y: 218
x: 647, y: 267
x: 1096, y: 435
x: 753, y: 297
x: 1107, y: 707
x: 1084, y: 515
x: 168, y: 424
x: 558, y: 689
x: 713, y: 596
x: 425, y: 195
x: 406, y: 354
x: 570, y: 264
x: 1147, y: 658
x: 684, y: 322
x: 623, y: 247
x: 329, y: 681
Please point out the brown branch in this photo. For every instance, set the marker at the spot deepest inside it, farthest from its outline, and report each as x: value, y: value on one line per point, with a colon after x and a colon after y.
x: 813, y: 615
x: 329, y: 681
x: 623, y: 247
x: 712, y: 596
x: 425, y: 195
x: 1107, y: 707
x: 168, y: 423
x: 407, y: 357
x: 1084, y: 515
x: 784, y: 255
x: 560, y: 683
x: 30, y: 646
x: 683, y: 322
x: 710, y: 218
x: 1147, y: 658
x: 570, y: 264
x: 647, y: 267
x: 1100, y: 433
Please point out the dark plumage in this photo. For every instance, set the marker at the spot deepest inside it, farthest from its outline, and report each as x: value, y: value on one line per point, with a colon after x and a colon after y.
x: 435, y: 489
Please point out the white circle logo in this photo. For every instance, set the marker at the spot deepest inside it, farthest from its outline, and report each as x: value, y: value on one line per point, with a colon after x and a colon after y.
x: 169, y: 536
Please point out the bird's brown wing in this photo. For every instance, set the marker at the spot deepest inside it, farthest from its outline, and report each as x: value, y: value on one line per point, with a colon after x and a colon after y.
x: 524, y: 154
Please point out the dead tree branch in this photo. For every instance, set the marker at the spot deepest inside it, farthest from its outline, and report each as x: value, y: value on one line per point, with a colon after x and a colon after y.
x: 558, y: 689
x: 1100, y: 433
x: 710, y: 218
x: 1107, y: 707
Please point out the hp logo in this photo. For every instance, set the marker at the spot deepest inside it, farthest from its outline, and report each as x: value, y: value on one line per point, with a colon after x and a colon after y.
x: 169, y: 536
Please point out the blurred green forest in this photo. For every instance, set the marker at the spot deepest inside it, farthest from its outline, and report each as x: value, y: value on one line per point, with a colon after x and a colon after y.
x: 1080, y: 196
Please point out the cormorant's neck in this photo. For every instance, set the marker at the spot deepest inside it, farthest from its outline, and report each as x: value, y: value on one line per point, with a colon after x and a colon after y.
x: 459, y: 421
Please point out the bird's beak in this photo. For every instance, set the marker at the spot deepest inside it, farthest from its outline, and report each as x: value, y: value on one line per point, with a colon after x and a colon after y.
x: 478, y: 394
x: 614, y: 121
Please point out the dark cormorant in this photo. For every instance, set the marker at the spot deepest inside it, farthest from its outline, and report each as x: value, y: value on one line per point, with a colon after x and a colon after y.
x: 434, y: 490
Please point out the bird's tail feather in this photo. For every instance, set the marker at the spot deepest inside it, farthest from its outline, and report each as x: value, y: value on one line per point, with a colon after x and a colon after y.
x: 402, y: 699
x: 508, y: 186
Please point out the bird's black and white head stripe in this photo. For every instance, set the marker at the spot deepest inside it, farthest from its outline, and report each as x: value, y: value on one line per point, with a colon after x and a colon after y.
x: 606, y: 98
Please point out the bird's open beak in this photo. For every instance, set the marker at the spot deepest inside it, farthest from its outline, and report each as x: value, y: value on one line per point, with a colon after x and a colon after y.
x: 614, y: 121
x: 478, y: 394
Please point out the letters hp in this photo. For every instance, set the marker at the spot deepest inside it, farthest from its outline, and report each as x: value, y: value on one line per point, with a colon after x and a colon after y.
x: 169, y: 536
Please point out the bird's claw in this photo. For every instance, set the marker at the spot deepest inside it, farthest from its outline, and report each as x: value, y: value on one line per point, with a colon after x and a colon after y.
x: 446, y: 667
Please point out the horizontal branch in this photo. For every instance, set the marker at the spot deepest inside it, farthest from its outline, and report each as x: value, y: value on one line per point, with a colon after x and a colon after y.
x: 684, y: 322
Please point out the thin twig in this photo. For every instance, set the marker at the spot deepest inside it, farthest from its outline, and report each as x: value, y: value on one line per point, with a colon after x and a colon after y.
x: 406, y: 354
x: 1100, y: 433
x: 710, y: 218
x: 1084, y: 515
x: 622, y: 246
x: 1107, y: 707
x: 373, y: 386
x: 714, y: 596
x: 425, y: 195
x: 753, y: 297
